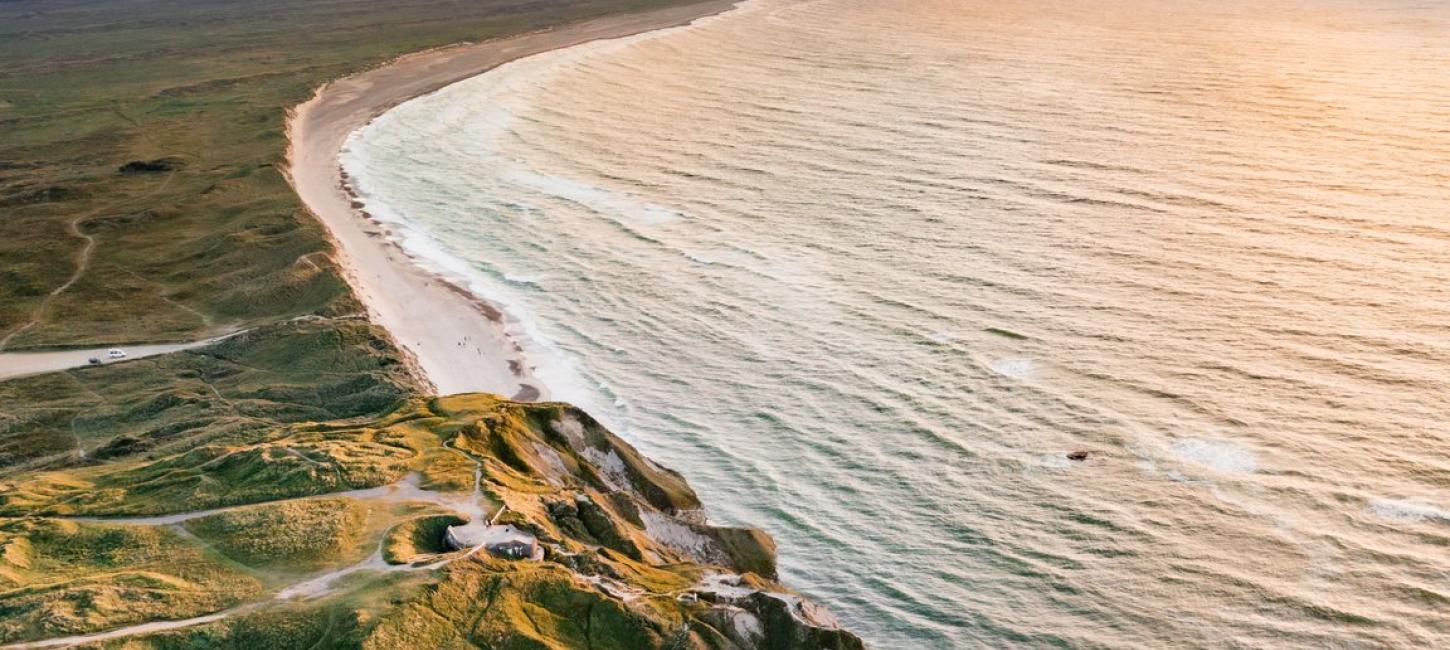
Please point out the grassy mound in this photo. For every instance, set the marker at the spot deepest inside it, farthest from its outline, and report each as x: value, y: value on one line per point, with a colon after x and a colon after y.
x: 418, y: 539
x: 60, y: 577
x: 230, y: 391
x: 293, y: 461
x: 622, y: 540
x: 298, y: 535
x: 542, y: 606
x: 165, y: 147
x: 140, y: 174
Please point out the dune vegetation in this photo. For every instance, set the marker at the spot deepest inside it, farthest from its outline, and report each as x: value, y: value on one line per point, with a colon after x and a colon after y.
x: 141, y: 195
x: 418, y: 539
x: 626, y: 560
x: 61, y: 577
x: 285, y: 372
x: 301, y: 536
x: 253, y: 482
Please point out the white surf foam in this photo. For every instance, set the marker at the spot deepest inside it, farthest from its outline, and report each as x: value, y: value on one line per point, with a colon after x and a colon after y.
x: 502, y: 88
x: 1014, y: 367
x: 941, y: 337
x: 1218, y: 455
x: 1408, y: 510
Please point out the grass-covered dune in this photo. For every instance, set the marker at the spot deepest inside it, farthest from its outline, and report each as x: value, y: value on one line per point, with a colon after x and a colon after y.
x: 141, y: 200
x: 58, y: 577
x: 308, y: 369
x: 627, y: 560
x: 140, y: 140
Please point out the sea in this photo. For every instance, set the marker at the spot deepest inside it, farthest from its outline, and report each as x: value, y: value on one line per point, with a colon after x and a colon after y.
x: 1017, y: 323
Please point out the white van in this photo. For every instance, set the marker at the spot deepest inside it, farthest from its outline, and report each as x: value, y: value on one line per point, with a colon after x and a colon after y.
x: 116, y: 353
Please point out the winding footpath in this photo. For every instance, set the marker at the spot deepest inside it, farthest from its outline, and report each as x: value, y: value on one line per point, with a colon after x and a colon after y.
x: 83, y: 260
x: 309, y: 587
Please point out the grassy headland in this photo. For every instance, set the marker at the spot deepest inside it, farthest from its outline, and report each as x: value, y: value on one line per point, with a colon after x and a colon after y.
x: 626, y: 560
x: 141, y: 200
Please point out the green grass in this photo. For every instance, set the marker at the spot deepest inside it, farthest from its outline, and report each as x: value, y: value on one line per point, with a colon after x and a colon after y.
x: 231, y: 391
x: 221, y: 241
x: 283, y: 462
x: 59, y: 578
x: 283, y: 628
x: 298, y: 535
x: 312, y: 400
x: 538, y: 606
x: 289, y: 538
x: 562, y: 476
x: 418, y: 539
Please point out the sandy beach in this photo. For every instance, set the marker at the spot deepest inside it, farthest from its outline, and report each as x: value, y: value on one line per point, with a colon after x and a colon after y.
x: 455, y: 341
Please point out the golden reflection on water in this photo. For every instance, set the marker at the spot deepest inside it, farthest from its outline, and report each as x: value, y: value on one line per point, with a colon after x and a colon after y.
x: 782, y: 250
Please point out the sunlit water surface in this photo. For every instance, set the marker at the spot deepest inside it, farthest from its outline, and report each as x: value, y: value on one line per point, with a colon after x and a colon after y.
x: 865, y: 271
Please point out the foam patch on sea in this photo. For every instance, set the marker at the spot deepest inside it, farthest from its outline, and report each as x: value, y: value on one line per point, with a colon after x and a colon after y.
x: 1014, y: 367
x: 1408, y: 510
x: 1218, y: 455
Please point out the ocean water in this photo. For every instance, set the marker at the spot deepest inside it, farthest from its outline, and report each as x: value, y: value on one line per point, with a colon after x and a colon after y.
x: 866, y: 271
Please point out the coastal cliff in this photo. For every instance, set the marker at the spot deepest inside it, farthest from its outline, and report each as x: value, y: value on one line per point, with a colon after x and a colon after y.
x: 334, y: 534
x: 292, y: 484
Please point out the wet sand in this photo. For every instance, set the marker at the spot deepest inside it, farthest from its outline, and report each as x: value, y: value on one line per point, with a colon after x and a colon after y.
x: 454, y: 341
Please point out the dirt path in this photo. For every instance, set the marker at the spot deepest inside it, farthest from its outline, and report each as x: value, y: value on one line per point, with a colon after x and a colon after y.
x: 309, y: 587
x: 406, y: 490
x: 24, y: 364
x: 83, y: 259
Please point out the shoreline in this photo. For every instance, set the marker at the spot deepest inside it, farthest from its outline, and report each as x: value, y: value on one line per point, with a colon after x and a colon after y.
x: 432, y: 320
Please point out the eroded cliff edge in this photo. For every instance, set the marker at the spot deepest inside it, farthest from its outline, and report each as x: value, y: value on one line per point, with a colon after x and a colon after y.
x: 337, y: 534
